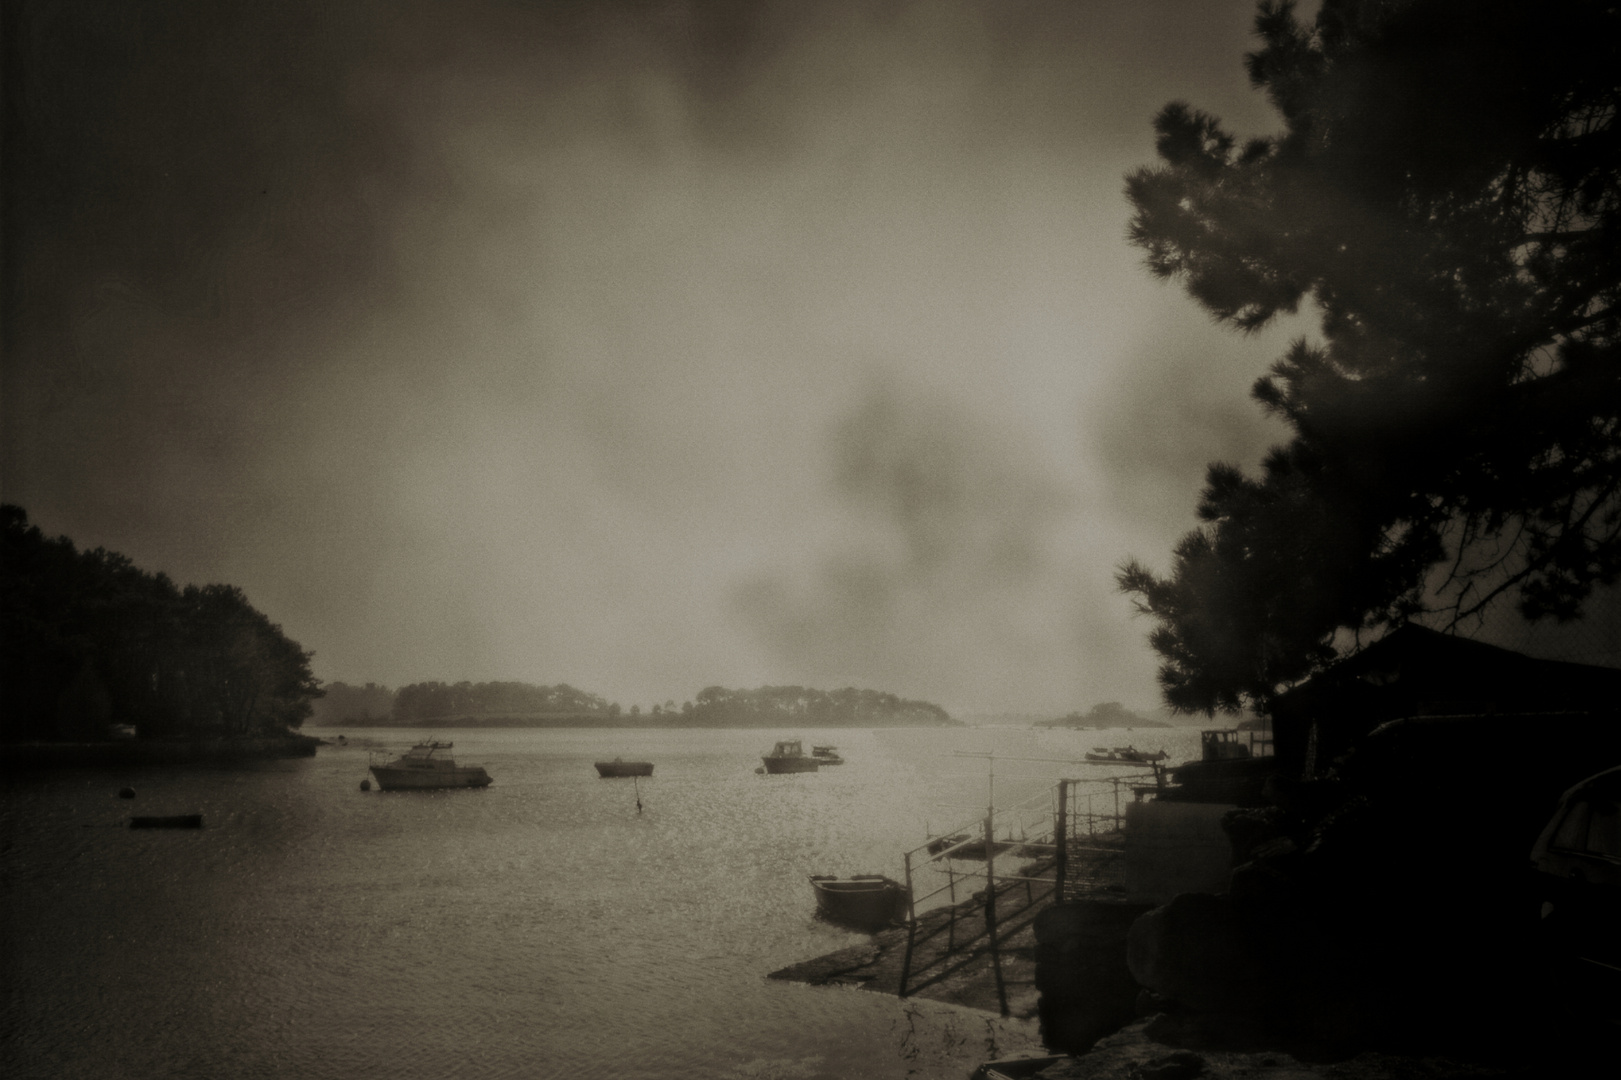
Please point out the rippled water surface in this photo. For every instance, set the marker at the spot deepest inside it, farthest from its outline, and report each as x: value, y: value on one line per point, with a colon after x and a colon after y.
x: 540, y: 927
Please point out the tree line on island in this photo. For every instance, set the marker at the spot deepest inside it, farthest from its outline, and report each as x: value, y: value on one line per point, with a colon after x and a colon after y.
x: 1105, y: 714
x: 518, y: 704
x: 89, y: 640
x: 92, y: 646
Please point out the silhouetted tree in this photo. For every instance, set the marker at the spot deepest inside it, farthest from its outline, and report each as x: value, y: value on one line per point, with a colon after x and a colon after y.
x: 342, y: 701
x: 89, y: 637
x: 1445, y: 193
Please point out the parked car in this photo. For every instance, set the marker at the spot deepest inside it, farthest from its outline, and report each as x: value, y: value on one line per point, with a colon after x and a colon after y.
x: 1577, y: 873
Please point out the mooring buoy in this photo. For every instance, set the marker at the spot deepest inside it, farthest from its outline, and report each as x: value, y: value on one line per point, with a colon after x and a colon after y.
x: 365, y: 785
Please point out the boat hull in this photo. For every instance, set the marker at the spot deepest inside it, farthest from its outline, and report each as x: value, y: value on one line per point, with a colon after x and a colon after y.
x: 975, y: 849
x: 790, y: 765
x: 461, y: 776
x: 1139, y: 758
x: 869, y: 903
x: 177, y: 821
x: 607, y: 769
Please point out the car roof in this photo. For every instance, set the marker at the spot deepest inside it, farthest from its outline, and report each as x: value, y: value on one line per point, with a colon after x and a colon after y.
x: 1606, y: 782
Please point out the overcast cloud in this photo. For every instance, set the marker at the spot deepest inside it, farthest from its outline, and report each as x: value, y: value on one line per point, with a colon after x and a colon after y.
x: 640, y: 346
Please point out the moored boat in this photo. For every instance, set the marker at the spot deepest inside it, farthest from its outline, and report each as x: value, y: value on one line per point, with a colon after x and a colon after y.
x: 425, y: 767
x: 173, y: 821
x: 789, y: 757
x: 1228, y: 771
x: 826, y: 755
x: 621, y: 767
x: 868, y: 901
x: 1126, y: 755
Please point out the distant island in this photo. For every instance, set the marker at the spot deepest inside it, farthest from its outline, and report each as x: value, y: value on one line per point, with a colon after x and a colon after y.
x: 518, y: 704
x: 1108, y: 714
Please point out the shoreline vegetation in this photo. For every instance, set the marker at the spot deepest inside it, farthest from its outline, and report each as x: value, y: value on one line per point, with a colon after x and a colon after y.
x: 517, y: 704
x: 93, y: 648
x: 129, y: 752
x: 107, y: 665
x: 590, y: 720
x: 1107, y: 714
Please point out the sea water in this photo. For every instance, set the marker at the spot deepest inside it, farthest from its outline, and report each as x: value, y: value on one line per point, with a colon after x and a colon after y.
x: 544, y: 926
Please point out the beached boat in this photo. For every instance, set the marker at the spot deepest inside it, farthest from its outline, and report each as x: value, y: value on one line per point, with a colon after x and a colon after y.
x: 975, y: 849
x: 941, y: 843
x: 788, y: 757
x: 1126, y: 755
x: 869, y: 901
x: 827, y: 755
x: 426, y: 766
x: 1015, y: 1068
x: 621, y: 767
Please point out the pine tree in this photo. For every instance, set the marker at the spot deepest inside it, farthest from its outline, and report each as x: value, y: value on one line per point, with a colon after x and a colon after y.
x: 1445, y: 193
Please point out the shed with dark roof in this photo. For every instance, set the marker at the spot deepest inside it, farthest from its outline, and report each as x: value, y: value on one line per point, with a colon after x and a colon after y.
x: 1416, y: 673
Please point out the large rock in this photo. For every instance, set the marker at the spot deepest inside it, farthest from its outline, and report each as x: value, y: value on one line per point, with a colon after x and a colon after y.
x: 1086, y: 989
x: 1195, y: 951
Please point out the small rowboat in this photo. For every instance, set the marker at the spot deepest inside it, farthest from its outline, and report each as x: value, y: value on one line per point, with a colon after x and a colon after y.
x: 621, y: 767
x: 867, y: 901
x: 176, y: 821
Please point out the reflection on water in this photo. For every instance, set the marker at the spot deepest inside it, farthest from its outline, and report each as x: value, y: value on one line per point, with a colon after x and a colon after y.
x: 531, y: 928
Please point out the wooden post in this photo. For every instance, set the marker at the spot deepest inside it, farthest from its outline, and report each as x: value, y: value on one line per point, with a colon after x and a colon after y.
x: 1061, y: 840
x: 990, y: 914
x: 911, y: 928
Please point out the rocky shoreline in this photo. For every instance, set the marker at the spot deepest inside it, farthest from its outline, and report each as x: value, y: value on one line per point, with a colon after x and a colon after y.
x: 1160, y: 1048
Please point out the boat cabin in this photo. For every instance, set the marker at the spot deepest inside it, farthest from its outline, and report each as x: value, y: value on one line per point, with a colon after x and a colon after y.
x: 787, y: 748
x: 1222, y: 744
x: 421, y: 756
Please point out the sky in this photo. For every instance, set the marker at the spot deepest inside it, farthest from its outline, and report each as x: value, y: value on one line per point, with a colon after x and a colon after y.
x: 638, y: 346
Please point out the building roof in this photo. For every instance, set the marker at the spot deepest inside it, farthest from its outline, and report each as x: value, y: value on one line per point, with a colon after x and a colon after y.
x: 1415, y: 671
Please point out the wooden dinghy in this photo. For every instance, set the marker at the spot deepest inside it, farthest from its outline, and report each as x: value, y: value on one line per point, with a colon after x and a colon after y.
x: 867, y: 901
x: 173, y: 821
x: 621, y: 767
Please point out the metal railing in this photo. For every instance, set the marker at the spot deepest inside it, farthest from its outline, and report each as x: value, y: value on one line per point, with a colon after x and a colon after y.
x: 1043, y: 829
x: 1097, y: 805
x: 1000, y: 832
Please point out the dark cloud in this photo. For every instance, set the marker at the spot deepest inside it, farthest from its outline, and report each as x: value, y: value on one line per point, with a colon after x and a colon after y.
x: 952, y: 522
x: 1180, y: 402
x: 504, y: 340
